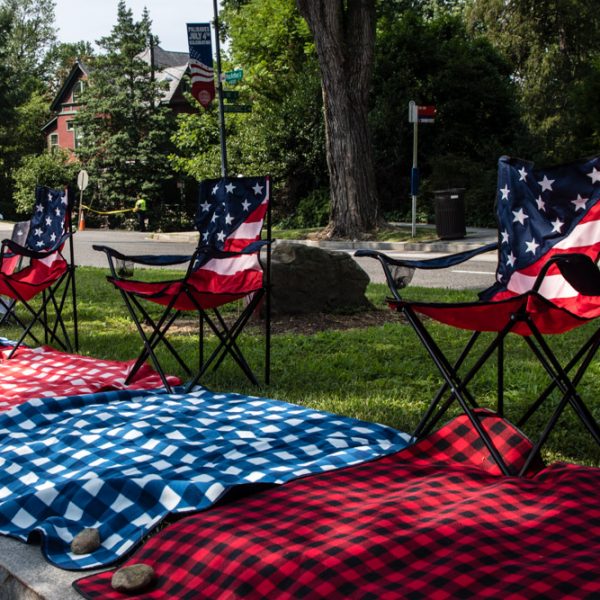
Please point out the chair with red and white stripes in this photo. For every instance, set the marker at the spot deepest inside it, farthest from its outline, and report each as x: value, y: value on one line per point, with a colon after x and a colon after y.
x: 38, y: 265
x: 547, y: 282
x: 226, y: 267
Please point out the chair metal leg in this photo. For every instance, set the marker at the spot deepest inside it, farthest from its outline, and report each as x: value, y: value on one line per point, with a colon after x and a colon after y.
x: 456, y: 386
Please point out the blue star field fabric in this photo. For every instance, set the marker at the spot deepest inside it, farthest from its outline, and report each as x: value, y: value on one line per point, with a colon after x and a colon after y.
x: 47, y: 224
x: 122, y: 461
x: 543, y: 212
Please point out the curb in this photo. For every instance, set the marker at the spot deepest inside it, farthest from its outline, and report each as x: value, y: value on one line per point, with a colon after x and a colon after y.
x: 472, y: 240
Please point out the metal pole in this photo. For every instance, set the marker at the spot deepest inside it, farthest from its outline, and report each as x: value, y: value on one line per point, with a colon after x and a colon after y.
x: 413, y: 230
x: 220, y: 94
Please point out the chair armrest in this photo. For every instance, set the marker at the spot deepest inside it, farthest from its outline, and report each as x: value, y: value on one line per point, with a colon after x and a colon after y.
x: 442, y: 262
x: 580, y: 271
x: 17, y: 249
x: 144, y: 259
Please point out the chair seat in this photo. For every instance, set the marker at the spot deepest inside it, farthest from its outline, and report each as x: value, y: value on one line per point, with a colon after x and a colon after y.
x: 189, y: 294
x: 32, y: 280
x: 494, y: 316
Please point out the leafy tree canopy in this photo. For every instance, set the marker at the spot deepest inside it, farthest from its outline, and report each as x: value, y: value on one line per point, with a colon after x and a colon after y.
x: 126, y: 128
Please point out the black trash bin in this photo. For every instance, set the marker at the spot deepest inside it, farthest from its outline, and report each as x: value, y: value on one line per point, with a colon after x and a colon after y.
x: 450, y: 213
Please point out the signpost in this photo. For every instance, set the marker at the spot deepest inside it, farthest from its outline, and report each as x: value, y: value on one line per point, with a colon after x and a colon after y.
x: 82, y: 182
x: 417, y: 114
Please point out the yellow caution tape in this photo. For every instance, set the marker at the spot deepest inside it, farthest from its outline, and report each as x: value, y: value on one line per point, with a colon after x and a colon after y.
x: 107, y: 212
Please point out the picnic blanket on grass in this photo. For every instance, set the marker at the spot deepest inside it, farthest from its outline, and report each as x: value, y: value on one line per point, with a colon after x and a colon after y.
x: 44, y: 372
x: 121, y: 461
x: 431, y: 521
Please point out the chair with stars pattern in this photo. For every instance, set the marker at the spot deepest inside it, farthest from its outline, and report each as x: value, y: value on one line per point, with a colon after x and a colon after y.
x: 547, y: 282
x: 226, y: 268
x: 37, y: 274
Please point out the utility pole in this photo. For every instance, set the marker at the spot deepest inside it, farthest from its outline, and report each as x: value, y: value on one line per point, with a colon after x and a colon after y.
x: 220, y: 94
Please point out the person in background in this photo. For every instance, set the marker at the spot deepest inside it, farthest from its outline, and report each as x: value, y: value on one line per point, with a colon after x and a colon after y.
x: 140, y: 208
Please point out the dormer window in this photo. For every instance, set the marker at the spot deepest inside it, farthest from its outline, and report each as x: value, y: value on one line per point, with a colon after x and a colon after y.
x: 78, y: 90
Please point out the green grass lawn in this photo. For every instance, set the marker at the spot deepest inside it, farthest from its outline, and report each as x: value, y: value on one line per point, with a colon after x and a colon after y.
x: 378, y: 373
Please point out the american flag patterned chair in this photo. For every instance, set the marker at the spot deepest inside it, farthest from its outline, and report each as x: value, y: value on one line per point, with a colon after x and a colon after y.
x: 226, y: 267
x: 547, y: 282
x: 38, y: 261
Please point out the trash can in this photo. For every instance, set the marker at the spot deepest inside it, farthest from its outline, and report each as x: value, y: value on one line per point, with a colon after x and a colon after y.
x: 450, y: 213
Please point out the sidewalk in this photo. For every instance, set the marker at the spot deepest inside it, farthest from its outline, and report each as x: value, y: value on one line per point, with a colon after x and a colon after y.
x: 475, y: 237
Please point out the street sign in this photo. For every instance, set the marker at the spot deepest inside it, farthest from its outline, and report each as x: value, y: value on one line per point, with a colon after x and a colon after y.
x: 426, y: 114
x: 82, y: 180
x: 233, y: 76
x: 237, y: 108
x: 228, y: 95
x: 421, y: 114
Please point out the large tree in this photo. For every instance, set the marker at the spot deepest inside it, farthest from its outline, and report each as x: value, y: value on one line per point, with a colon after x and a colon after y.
x: 32, y: 36
x: 344, y: 35
x: 552, y: 47
x: 125, y: 127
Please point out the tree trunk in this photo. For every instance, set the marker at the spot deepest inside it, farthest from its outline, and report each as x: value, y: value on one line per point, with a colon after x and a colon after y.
x: 344, y: 34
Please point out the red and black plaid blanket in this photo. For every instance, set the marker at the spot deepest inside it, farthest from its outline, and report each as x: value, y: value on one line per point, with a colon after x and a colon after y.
x: 432, y: 521
x: 45, y: 372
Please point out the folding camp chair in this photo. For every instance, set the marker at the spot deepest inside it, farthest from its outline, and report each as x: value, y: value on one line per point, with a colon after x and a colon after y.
x: 39, y: 261
x: 226, y: 267
x: 547, y: 282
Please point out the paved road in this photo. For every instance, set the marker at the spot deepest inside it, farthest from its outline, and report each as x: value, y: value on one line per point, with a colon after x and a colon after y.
x: 475, y: 274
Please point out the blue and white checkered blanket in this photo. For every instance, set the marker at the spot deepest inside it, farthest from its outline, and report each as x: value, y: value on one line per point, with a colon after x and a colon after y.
x: 121, y: 461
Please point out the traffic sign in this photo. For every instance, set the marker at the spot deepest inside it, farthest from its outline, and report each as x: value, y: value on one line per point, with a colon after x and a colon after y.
x: 82, y: 180
x: 233, y: 76
x: 421, y: 114
x: 228, y: 95
x: 237, y: 108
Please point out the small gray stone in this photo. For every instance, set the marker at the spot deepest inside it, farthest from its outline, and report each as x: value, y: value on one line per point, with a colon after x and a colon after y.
x: 86, y: 541
x: 132, y: 579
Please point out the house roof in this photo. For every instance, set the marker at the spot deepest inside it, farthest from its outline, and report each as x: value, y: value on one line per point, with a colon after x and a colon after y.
x: 77, y: 70
x: 170, y: 67
x: 165, y: 58
x: 51, y: 124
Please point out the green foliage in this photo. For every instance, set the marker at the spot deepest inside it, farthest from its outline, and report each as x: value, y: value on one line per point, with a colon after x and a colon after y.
x: 54, y: 169
x: 435, y: 61
x: 312, y: 211
x: 283, y: 135
x: 32, y: 35
x: 126, y: 128
x: 552, y: 47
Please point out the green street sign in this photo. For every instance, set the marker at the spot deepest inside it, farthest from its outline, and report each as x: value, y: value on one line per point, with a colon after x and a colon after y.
x: 227, y: 95
x: 233, y: 76
x: 237, y: 108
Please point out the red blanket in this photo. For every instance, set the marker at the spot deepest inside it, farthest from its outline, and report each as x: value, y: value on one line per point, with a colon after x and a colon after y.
x: 44, y: 372
x: 423, y: 523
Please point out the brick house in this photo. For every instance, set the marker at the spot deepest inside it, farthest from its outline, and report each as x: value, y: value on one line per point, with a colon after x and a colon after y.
x: 61, y: 132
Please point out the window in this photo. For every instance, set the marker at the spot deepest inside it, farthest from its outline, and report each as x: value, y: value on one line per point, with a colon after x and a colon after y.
x: 70, y: 125
x: 53, y: 141
x: 78, y: 89
x: 78, y: 137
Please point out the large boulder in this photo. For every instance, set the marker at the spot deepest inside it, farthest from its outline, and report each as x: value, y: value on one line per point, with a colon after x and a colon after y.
x: 306, y: 279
